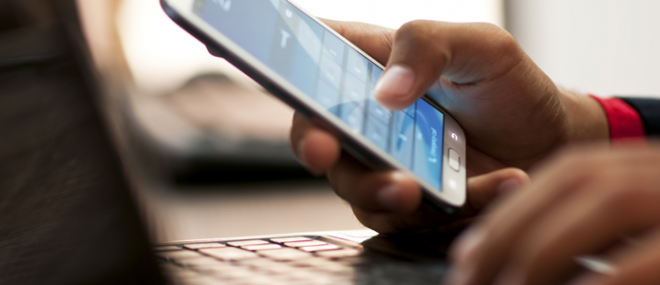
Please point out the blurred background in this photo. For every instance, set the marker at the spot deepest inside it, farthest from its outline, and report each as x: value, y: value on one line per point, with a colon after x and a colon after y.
x: 207, y: 148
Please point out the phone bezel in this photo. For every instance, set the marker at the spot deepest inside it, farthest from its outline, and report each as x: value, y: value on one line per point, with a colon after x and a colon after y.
x: 453, y: 191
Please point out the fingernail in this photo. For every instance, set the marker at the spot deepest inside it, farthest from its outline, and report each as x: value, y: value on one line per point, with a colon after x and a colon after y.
x: 467, y: 244
x: 508, y: 186
x: 388, y: 197
x: 397, y: 81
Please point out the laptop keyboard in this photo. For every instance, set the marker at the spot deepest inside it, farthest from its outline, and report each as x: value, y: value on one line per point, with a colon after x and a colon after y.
x: 290, y: 260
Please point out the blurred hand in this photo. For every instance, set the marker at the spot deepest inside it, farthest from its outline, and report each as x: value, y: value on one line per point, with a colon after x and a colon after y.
x: 512, y: 113
x: 584, y: 201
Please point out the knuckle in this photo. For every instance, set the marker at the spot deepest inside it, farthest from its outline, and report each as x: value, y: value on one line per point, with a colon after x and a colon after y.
x: 506, y: 45
x: 491, y: 29
x: 499, y: 38
x: 415, y: 31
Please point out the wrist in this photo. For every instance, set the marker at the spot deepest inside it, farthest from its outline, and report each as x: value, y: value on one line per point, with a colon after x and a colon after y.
x: 586, y: 120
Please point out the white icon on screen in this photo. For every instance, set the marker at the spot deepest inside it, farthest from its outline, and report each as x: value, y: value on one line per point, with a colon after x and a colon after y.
x: 285, y: 38
x: 288, y: 13
x: 224, y: 4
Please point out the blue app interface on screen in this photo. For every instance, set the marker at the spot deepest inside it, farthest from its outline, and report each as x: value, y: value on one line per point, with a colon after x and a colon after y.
x: 337, y: 77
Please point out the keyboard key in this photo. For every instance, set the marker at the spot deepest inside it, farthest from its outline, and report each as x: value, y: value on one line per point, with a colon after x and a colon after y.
x: 304, y: 275
x: 229, y: 253
x: 214, y: 270
x: 267, y: 266
x: 167, y: 247
x: 284, y: 254
x: 290, y: 239
x: 201, y: 262
x: 276, y: 268
x: 237, y: 273
x: 305, y: 243
x: 261, y: 247
x: 210, y: 269
x: 247, y: 242
x: 327, y: 280
x: 194, y: 246
x: 179, y: 254
x: 320, y: 248
x: 312, y: 262
x: 338, y: 253
x: 174, y: 271
x: 257, y: 279
x: 256, y: 263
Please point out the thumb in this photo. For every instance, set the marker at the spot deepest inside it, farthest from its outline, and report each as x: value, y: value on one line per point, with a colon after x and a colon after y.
x: 422, y: 51
x: 483, y: 189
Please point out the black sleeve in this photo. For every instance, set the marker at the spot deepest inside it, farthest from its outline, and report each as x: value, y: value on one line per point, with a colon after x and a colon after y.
x: 649, y: 111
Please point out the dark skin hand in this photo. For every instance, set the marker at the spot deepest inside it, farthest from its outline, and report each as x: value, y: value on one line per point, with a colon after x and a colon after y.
x: 512, y: 113
x: 587, y: 200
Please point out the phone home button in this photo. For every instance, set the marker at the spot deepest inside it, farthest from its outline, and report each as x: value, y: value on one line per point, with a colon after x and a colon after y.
x: 454, y: 160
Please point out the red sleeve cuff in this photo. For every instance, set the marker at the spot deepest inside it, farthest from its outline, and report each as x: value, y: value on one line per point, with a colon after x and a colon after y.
x: 624, y: 121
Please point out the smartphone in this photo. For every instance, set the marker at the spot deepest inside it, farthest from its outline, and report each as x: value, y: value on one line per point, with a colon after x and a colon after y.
x: 323, y: 76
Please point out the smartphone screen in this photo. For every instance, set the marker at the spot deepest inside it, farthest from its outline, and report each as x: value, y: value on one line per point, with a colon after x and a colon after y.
x: 334, y: 75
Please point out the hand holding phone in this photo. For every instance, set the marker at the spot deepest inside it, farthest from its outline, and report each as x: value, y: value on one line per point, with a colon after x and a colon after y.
x: 328, y: 80
x: 513, y: 115
x: 490, y: 103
